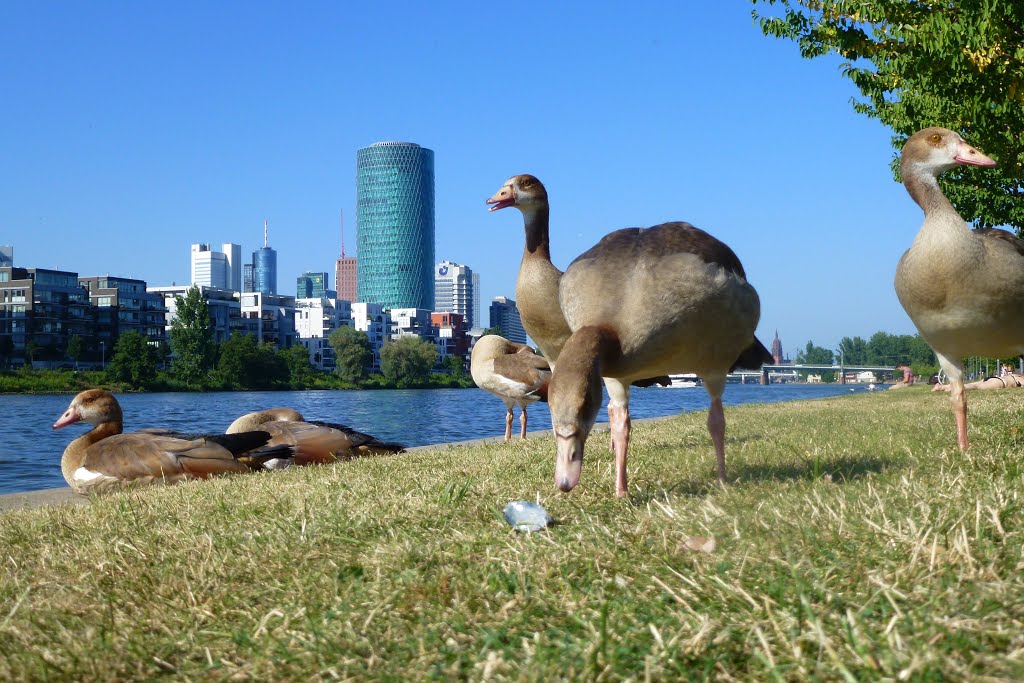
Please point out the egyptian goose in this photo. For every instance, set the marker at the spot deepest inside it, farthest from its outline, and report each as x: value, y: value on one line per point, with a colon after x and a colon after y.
x: 538, y: 279
x: 662, y: 300
x: 963, y: 288
x: 513, y: 373
x: 311, y: 442
x: 104, y: 459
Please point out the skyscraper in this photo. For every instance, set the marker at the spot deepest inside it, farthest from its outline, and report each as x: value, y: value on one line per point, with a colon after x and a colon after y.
x: 264, y: 267
x: 311, y: 286
x: 505, y: 315
x: 6, y: 256
x: 455, y: 291
x: 220, y: 269
x: 395, y: 225
x: 345, y: 271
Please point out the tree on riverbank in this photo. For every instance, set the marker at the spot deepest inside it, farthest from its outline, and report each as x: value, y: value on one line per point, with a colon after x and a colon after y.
x: 407, y: 361
x: 246, y: 364
x: 191, y: 338
x: 133, y: 361
x: 352, y: 353
x: 957, y: 64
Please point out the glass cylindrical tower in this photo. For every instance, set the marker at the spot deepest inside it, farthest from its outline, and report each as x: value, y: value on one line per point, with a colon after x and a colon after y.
x: 264, y: 271
x: 395, y: 225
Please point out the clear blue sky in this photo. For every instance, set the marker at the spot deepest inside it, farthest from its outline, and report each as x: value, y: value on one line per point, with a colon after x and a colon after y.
x: 129, y: 131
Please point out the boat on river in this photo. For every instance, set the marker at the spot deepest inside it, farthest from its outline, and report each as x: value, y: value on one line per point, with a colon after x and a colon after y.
x: 685, y: 381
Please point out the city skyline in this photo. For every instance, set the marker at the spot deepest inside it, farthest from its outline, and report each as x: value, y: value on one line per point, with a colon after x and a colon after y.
x: 751, y: 143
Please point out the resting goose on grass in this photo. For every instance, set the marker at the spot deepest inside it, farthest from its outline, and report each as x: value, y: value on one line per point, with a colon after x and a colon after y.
x: 104, y: 458
x: 644, y: 302
x: 963, y: 288
x: 513, y: 373
x: 313, y: 443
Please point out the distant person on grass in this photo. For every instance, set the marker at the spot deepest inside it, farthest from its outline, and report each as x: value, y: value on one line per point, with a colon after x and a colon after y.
x: 1010, y: 380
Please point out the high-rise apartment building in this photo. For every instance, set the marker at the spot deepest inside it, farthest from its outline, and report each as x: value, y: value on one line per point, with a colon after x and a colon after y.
x: 395, y: 225
x: 456, y: 288
x: 221, y: 269
x: 345, y: 274
x: 311, y: 286
x: 6, y: 256
x: 505, y: 315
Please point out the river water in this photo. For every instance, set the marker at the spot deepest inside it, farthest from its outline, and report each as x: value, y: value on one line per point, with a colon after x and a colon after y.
x: 30, y: 459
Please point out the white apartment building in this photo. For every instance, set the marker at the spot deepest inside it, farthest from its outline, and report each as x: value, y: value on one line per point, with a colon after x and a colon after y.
x: 271, y: 317
x: 457, y: 290
x: 371, y: 319
x: 315, y: 319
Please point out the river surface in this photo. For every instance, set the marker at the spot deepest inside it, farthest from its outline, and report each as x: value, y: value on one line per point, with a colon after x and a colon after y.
x: 30, y: 459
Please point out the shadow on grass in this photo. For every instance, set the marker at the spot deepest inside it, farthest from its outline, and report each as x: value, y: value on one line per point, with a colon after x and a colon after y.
x: 838, y: 471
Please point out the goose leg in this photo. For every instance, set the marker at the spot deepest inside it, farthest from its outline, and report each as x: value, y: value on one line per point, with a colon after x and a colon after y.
x: 508, y: 422
x: 618, y: 417
x: 715, y: 387
x: 957, y: 396
x: 522, y: 423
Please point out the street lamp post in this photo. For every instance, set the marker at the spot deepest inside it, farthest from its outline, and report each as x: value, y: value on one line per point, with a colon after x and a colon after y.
x: 103, y: 355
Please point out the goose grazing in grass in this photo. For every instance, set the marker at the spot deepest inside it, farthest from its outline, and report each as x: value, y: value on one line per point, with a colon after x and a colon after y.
x: 963, y: 288
x: 538, y: 279
x: 313, y: 443
x: 644, y: 302
x: 105, y: 459
x: 513, y: 373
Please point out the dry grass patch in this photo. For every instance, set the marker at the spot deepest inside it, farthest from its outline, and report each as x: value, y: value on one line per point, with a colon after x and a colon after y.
x: 854, y: 542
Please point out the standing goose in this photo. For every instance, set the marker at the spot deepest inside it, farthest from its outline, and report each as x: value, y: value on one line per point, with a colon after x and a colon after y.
x: 105, y: 459
x: 644, y: 302
x: 963, y: 288
x: 513, y: 373
x: 313, y: 443
x: 538, y: 279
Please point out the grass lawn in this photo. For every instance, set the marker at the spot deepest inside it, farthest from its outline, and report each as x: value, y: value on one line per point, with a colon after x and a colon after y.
x: 854, y: 542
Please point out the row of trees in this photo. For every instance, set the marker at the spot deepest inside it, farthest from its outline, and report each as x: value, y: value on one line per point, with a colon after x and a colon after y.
x: 242, y: 362
x: 881, y: 349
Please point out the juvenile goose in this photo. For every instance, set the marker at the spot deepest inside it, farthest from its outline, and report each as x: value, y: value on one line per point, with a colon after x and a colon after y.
x: 643, y: 302
x: 513, y: 373
x: 963, y: 288
x: 312, y: 443
x: 104, y: 458
x: 538, y: 279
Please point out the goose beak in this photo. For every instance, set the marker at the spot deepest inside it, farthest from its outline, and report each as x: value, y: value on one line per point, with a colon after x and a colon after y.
x: 969, y: 156
x: 70, y: 416
x: 503, y: 199
x: 569, y: 461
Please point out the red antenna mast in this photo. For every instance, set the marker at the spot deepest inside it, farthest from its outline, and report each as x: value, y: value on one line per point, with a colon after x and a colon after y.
x: 342, y: 232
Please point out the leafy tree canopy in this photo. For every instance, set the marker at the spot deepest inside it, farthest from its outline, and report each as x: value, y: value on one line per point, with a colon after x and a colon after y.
x: 246, y: 364
x: 133, y: 362
x: 352, y: 353
x: 957, y: 64
x: 814, y: 355
x: 296, y: 359
x: 407, y: 361
x: 191, y: 337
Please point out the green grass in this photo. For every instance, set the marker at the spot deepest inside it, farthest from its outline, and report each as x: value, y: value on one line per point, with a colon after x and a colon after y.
x: 854, y: 542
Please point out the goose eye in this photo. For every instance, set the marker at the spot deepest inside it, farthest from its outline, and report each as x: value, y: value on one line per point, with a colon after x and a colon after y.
x: 527, y: 183
x: 936, y: 137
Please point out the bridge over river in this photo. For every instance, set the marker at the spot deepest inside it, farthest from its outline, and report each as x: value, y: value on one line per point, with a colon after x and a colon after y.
x: 767, y: 372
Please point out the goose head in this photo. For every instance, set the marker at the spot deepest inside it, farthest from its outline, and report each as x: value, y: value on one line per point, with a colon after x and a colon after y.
x: 94, y: 406
x: 574, y: 398
x: 524, y: 192
x: 934, y: 151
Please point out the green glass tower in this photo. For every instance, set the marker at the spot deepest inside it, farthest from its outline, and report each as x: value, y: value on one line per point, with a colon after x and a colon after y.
x: 395, y: 225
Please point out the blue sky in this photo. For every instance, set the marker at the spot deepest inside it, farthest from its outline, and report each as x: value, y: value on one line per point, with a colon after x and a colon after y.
x: 129, y: 131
